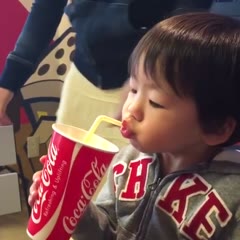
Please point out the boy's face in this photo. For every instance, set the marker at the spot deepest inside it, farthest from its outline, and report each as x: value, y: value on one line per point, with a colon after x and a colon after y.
x: 155, y: 119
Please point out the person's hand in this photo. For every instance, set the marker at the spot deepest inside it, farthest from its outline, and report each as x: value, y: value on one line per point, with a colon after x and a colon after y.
x: 33, y: 191
x: 5, y: 97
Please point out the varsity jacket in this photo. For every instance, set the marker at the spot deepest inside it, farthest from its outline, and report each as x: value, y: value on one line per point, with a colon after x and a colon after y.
x: 200, y: 203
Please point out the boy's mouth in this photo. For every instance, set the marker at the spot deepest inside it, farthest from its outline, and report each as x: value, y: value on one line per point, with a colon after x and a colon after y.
x: 125, y: 130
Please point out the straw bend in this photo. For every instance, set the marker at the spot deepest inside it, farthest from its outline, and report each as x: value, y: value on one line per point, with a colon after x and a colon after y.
x: 96, y: 123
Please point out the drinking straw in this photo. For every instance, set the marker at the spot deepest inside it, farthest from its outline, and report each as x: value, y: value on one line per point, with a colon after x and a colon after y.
x: 96, y: 123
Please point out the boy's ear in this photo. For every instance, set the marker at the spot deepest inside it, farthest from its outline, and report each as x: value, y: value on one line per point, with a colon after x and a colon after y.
x: 222, y: 134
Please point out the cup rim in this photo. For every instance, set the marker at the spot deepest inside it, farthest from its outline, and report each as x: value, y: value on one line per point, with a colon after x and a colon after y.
x: 112, y: 149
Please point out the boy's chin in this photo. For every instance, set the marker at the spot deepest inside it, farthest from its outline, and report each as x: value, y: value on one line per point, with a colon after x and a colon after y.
x: 139, y: 146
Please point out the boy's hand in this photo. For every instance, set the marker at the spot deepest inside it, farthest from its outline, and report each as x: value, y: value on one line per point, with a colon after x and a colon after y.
x: 33, y: 191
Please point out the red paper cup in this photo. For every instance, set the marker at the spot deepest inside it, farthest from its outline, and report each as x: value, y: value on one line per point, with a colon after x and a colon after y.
x: 69, y: 179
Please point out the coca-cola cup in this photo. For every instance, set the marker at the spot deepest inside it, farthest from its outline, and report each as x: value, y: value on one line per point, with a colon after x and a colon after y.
x: 70, y: 176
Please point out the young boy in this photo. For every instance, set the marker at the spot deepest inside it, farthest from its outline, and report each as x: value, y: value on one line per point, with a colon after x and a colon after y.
x: 182, y: 110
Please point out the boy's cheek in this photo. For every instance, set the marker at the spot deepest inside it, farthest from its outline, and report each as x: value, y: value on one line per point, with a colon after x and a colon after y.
x: 124, y: 112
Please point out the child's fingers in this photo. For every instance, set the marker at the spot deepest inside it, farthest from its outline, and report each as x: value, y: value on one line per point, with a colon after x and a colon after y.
x: 32, y: 198
x: 43, y: 159
x: 33, y: 191
x: 36, y: 177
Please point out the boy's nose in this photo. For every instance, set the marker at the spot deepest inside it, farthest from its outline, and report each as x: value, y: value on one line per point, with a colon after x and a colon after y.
x: 135, y: 109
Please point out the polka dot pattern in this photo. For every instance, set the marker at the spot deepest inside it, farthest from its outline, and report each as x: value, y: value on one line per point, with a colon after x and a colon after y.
x: 56, y: 63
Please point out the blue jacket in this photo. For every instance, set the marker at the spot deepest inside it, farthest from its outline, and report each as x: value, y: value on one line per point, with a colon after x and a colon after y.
x: 103, y: 44
x: 104, y: 40
x: 227, y: 7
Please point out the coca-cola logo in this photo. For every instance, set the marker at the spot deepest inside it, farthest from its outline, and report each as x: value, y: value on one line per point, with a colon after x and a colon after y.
x: 88, y: 185
x: 47, y: 172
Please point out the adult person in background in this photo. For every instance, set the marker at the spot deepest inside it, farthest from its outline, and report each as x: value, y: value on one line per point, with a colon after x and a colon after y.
x: 226, y: 7
x: 106, y: 33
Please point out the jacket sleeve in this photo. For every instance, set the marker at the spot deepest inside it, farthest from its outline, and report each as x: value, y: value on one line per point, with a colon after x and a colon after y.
x: 101, y: 215
x: 235, y: 226
x: 36, y: 35
x: 236, y: 232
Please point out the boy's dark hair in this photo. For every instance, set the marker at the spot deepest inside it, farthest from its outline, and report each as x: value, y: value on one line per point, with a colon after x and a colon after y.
x: 199, y: 55
x: 146, y: 13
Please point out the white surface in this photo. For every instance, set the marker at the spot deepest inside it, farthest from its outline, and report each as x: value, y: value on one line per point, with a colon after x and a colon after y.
x: 7, y: 146
x: 9, y: 194
x: 9, y: 185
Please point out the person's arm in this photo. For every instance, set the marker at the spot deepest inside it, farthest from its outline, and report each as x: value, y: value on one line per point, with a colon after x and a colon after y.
x: 35, y: 37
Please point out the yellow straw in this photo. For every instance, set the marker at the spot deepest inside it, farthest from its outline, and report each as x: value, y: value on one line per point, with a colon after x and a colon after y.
x: 96, y: 123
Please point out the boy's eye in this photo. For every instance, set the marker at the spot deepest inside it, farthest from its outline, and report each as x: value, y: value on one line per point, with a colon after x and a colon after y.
x: 133, y: 90
x: 155, y: 105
